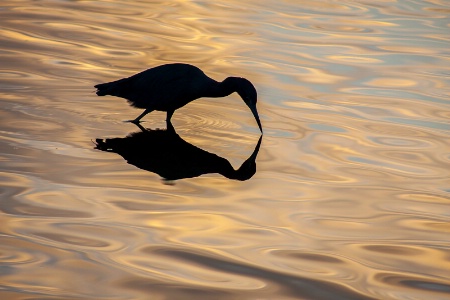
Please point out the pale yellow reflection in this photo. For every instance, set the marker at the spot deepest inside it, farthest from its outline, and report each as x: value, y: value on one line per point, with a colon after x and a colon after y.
x: 391, y: 82
x: 355, y: 59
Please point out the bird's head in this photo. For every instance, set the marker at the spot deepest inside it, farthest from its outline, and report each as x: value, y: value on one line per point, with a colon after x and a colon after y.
x: 247, y: 91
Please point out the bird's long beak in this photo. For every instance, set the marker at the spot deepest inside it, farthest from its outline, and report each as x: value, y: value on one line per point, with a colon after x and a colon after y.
x: 255, y: 114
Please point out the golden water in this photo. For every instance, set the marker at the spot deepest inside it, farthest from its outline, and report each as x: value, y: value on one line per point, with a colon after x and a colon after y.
x: 351, y: 198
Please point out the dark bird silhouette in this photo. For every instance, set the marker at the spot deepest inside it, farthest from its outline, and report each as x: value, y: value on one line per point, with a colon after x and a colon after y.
x: 165, y: 153
x: 169, y: 87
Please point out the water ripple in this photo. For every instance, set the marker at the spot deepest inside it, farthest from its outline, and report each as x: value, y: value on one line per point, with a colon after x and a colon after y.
x: 288, y: 285
x: 351, y: 196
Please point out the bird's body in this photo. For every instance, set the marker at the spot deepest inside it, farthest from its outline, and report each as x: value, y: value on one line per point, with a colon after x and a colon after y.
x: 180, y: 84
x: 171, y: 86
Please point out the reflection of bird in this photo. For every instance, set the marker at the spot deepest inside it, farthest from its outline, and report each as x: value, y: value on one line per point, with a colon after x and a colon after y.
x: 165, y: 153
x: 169, y: 87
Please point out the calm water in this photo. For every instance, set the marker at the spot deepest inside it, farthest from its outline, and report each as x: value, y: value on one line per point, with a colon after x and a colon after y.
x: 351, y: 198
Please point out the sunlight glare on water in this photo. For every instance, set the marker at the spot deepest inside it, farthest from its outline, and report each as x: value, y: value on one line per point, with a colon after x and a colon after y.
x: 351, y: 197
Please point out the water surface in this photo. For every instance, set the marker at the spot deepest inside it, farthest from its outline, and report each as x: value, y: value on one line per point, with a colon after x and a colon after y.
x: 351, y: 198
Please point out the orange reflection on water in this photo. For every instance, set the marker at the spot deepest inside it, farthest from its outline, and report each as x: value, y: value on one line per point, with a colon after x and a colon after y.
x: 350, y: 198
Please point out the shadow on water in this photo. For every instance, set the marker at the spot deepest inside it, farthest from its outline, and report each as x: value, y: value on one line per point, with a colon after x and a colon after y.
x: 165, y: 153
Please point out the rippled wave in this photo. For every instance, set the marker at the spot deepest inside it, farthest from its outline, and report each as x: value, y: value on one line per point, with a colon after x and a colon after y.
x: 351, y: 196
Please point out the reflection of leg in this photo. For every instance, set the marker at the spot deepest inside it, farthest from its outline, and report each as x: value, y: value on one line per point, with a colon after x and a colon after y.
x: 141, y: 115
x: 169, y: 126
x: 168, y: 122
x: 140, y: 127
x: 169, y: 115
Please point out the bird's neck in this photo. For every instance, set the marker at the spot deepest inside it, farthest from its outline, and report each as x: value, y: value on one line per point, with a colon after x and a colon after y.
x: 222, y: 89
x: 246, y: 171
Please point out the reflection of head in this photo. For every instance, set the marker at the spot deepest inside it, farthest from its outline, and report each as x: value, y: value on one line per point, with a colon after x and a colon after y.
x: 248, y: 168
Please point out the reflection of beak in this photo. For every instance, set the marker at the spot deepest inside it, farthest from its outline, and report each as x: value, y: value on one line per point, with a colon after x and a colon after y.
x: 255, y: 114
x: 248, y: 168
x: 255, y: 152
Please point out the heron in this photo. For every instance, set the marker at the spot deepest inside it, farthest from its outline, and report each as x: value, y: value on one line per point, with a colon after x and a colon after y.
x: 171, y: 86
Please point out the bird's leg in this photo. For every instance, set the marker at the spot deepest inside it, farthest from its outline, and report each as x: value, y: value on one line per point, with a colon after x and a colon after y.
x: 136, y: 121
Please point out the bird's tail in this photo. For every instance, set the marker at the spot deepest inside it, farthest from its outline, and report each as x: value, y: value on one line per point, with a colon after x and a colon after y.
x: 114, y: 88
